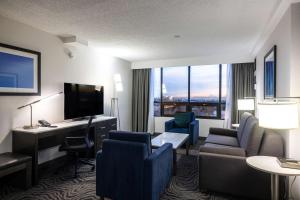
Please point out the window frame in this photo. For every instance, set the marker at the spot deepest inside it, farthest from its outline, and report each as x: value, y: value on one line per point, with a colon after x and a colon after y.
x: 189, y: 104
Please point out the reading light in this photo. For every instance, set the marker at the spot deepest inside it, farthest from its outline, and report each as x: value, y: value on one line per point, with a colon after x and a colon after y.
x: 278, y: 115
x: 34, y: 102
x: 246, y: 104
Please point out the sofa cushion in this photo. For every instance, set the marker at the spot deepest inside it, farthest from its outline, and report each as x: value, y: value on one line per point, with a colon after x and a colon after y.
x: 179, y: 130
x: 245, y: 116
x: 252, y: 136
x: 182, y: 120
x: 222, y: 139
x: 222, y: 149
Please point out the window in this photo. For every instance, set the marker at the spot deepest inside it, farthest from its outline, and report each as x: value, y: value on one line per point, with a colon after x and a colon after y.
x: 204, y: 99
x: 174, y: 90
x: 200, y: 89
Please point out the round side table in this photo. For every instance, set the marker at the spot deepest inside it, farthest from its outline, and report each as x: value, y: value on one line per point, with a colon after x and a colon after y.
x: 269, y: 165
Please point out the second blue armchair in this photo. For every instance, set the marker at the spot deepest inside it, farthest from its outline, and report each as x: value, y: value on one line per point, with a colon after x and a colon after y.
x: 184, y: 123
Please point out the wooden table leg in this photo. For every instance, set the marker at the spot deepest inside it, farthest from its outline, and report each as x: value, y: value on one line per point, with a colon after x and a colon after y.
x: 174, y: 162
x: 187, y: 147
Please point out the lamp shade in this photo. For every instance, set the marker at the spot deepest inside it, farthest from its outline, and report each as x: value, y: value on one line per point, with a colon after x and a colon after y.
x: 246, y: 104
x: 278, y: 115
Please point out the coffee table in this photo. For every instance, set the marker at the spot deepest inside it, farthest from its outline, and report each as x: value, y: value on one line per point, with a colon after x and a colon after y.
x: 176, y: 139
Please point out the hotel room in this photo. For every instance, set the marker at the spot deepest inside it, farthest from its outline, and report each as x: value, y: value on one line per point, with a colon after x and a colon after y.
x: 134, y: 100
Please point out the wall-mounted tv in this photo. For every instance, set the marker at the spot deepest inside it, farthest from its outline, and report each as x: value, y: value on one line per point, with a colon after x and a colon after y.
x: 83, y: 100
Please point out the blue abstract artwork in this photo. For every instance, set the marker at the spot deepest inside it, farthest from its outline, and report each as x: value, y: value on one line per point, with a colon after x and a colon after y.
x: 16, y: 71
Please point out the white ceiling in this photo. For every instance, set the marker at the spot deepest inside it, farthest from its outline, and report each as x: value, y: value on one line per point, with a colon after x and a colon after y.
x: 138, y: 30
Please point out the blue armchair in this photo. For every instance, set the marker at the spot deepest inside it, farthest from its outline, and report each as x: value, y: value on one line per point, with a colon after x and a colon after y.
x: 127, y: 170
x: 184, y: 123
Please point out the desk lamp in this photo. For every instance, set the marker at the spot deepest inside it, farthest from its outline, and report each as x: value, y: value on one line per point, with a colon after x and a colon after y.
x: 34, y: 102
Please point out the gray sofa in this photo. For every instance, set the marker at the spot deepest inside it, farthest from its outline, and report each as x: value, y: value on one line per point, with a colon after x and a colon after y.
x: 222, y: 159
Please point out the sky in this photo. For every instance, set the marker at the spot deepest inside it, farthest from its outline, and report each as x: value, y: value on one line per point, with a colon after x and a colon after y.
x: 204, y: 81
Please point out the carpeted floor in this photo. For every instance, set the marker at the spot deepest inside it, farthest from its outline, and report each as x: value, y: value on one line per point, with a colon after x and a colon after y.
x: 61, y: 186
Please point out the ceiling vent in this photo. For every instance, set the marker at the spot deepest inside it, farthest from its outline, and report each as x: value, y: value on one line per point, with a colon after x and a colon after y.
x: 74, y: 41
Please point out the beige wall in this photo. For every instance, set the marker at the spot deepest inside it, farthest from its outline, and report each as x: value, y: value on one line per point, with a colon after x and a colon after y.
x: 87, y: 67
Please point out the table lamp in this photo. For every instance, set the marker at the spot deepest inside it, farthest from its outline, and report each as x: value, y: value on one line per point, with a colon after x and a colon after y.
x: 246, y: 104
x: 280, y: 115
x: 34, y: 102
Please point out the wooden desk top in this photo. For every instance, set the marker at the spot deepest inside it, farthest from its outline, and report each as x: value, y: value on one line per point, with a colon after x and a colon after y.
x: 62, y: 125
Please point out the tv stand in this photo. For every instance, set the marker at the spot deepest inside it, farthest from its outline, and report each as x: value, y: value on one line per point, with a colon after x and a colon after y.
x: 31, y: 141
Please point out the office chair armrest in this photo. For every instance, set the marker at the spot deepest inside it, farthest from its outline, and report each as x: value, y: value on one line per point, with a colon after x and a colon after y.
x: 74, y: 137
x: 169, y: 124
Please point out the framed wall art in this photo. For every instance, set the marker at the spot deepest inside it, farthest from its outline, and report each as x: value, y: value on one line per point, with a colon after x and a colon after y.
x: 20, y: 71
x: 270, y: 74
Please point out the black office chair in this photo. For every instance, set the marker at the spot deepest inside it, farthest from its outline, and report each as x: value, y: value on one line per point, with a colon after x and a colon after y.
x: 76, y: 145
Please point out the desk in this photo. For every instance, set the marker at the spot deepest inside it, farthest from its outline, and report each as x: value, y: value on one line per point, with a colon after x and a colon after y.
x: 30, y: 141
x: 269, y: 164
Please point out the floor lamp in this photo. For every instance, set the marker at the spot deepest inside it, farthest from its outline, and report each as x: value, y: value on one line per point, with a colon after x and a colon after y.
x: 114, y: 103
x: 114, y: 107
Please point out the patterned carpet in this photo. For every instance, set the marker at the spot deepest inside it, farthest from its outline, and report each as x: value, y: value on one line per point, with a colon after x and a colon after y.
x: 61, y: 186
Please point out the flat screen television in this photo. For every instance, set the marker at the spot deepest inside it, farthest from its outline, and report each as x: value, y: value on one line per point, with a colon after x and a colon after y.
x: 83, y: 100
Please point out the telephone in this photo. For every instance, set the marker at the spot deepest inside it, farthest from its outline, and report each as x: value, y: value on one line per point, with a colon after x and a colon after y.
x: 44, y: 123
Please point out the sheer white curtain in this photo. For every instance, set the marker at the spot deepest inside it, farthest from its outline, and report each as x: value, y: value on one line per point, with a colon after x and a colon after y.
x: 228, y: 109
x: 151, y: 104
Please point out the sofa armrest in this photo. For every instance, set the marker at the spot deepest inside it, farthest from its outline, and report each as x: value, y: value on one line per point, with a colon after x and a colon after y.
x: 158, y: 171
x: 232, y: 175
x: 223, y: 131
x: 194, y: 131
x: 169, y: 124
x: 233, y: 151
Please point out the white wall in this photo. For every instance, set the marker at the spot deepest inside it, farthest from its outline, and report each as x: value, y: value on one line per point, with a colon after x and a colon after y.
x: 88, y: 67
x: 286, y: 37
x: 204, y: 125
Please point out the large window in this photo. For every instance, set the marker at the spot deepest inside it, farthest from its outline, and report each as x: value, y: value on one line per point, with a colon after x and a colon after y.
x: 201, y: 89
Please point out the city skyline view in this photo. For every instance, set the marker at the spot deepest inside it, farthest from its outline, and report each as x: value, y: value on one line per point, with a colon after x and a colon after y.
x: 204, y: 82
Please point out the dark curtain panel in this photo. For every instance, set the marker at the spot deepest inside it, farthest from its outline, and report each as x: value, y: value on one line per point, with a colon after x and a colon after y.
x: 243, y: 80
x: 140, y: 99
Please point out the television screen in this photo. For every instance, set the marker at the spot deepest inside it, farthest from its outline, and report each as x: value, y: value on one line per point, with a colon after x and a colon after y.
x: 83, y: 100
